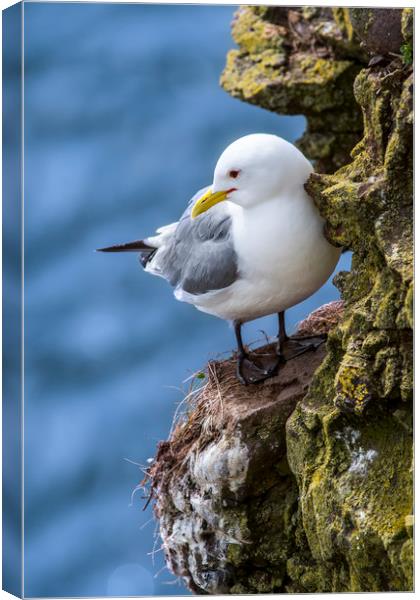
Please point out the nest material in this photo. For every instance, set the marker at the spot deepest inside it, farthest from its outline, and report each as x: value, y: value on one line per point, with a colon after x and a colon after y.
x: 322, y: 319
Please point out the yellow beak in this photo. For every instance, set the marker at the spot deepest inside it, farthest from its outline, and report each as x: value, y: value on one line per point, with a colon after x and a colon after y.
x: 206, y: 201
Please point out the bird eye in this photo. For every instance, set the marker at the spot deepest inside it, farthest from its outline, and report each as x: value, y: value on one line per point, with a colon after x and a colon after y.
x: 233, y: 174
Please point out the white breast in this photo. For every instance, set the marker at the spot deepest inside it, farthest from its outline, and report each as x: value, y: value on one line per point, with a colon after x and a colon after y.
x: 283, y: 259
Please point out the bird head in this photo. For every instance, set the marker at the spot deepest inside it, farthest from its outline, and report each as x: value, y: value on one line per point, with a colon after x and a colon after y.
x: 253, y: 169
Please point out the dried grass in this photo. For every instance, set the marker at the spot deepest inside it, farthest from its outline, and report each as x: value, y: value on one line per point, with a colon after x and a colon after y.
x: 322, y: 320
x: 199, y: 417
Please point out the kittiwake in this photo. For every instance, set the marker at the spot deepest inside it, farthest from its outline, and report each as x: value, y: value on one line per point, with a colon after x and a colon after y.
x: 249, y: 245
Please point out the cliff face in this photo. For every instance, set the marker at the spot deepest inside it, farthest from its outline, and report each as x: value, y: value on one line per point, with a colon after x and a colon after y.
x: 304, y: 484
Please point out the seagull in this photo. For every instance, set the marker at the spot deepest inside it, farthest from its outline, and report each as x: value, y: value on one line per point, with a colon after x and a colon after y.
x: 249, y: 245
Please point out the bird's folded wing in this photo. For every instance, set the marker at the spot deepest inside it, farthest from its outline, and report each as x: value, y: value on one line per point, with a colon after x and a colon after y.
x: 199, y: 256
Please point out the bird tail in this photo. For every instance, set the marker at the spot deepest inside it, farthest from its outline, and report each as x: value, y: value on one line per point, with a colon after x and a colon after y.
x: 145, y: 250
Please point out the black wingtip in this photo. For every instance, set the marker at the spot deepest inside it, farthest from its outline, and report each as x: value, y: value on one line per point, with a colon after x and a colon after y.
x: 109, y: 249
x: 136, y: 246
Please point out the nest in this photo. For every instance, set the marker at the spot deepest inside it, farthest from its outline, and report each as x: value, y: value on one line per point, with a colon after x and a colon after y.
x: 214, y: 400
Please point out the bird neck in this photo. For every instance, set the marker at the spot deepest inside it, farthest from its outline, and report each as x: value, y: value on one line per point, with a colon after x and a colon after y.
x: 280, y: 217
x: 279, y: 206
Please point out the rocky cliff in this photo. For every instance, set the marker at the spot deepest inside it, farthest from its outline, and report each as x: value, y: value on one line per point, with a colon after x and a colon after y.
x: 304, y: 483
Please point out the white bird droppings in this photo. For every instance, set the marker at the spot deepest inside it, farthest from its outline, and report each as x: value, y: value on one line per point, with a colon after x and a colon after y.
x: 360, y: 458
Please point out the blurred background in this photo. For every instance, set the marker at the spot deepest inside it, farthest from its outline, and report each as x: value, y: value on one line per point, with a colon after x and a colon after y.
x: 124, y: 121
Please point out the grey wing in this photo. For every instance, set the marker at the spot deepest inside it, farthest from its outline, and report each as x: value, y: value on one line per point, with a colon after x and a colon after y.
x: 199, y: 256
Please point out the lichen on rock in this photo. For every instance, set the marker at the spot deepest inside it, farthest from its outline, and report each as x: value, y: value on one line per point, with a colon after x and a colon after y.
x: 304, y: 484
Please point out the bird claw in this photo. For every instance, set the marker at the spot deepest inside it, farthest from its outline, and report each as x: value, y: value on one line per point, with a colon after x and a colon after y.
x: 248, y: 372
x: 298, y: 338
x: 311, y: 346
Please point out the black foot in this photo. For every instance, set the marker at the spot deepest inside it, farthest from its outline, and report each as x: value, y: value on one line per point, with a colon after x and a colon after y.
x: 313, y: 342
x: 249, y: 371
x: 301, y: 338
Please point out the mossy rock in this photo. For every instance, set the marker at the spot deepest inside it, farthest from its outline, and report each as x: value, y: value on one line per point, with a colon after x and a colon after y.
x: 350, y: 440
x: 355, y: 498
x: 300, y: 62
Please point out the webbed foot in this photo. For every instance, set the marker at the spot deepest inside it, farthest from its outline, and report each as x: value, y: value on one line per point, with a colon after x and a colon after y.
x: 313, y: 342
x: 248, y: 371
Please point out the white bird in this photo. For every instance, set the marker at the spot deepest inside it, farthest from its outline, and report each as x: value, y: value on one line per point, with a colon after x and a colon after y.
x: 250, y: 245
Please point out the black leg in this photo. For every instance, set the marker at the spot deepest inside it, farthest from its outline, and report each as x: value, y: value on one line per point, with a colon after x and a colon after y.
x: 238, y: 334
x: 314, y: 341
x: 247, y: 370
x: 242, y: 355
x: 299, y: 338
x: 282, y: 335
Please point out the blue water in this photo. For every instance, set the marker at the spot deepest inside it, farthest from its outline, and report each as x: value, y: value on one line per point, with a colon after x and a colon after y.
x: 124, y: 122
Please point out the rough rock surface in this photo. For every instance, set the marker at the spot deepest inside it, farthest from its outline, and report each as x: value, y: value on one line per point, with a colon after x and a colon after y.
x: 304, y: 484
x: 223, y: 476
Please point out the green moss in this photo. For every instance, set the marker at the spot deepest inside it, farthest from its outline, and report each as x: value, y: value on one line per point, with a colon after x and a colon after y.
x: 300, y: 85
x: 406, y: 559
x: 368, y: 207
x: 355, y: 496
x: 407, y: 53
x: 352, y: 386
x: 342, y: 18
x: 254, y: 34
x: 407, y: 22
x: 361, y: 19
